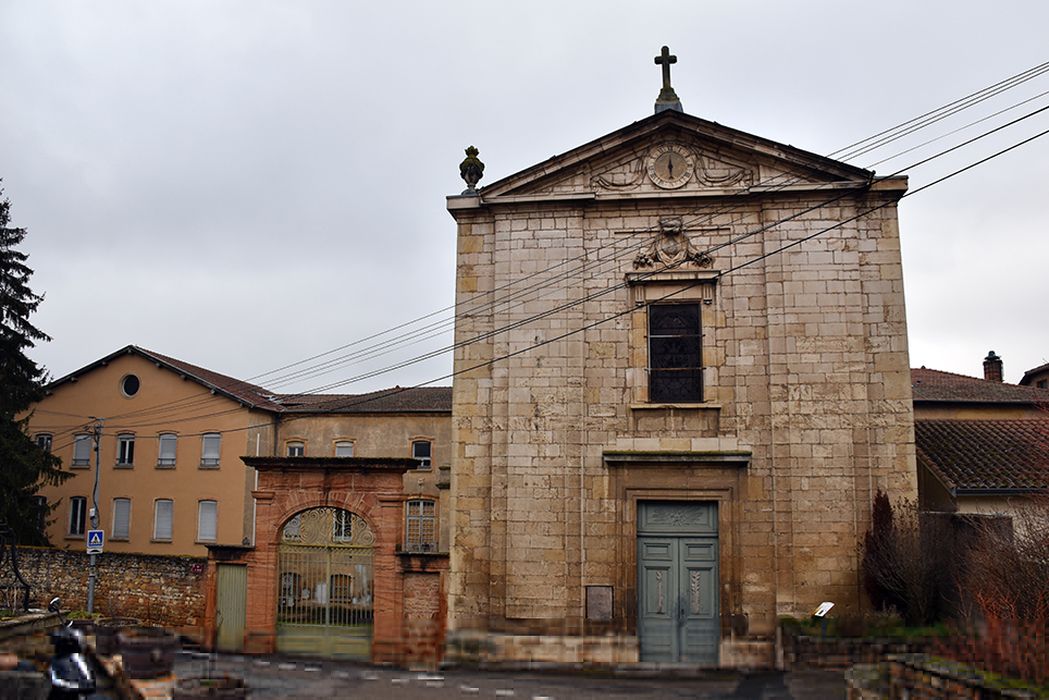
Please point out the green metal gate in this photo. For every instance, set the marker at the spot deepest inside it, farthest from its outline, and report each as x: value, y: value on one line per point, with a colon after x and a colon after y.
x: 232, y: 607
x: 324, y: 599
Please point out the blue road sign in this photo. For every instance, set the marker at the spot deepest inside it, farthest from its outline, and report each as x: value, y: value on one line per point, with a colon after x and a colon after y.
x: 96, y: 539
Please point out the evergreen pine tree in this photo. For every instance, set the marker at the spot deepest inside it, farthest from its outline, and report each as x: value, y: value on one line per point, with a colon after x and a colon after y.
x: 24, y: 466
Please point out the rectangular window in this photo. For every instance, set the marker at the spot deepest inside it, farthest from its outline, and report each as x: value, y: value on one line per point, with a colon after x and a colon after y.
x: 43, y: 441
x: 674, y: 354
x: 77, y: 515
x: 162, y: 519
x: 420, y: 527
x: 121, y: 519
x: 296, y: 449
x: 125, y: 450
x: 343, y: 448
x: 421, y: 453
x: 211, y: 444
x: 82, y: 445
x: 207, y: 521
x: 166, y: 449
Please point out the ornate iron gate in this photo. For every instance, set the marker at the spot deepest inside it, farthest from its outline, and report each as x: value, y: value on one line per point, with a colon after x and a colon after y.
x: 324, y: 597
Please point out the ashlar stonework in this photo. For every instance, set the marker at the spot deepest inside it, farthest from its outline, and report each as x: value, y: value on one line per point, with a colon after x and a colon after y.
x: 800, y: 411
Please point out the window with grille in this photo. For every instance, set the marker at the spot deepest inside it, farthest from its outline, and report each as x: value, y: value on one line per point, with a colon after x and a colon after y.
x: 674, y: 354
x: 211, y: 444
x: 82, y: 451
x: 125, y: 450
x: 421, y: 453
x: 166, y: 449
x: 207, y: 521
x: 296, y: 449
x: 121, y: 519
x: 77, y: 515
x: 163, y: 519
x: 420, y: 527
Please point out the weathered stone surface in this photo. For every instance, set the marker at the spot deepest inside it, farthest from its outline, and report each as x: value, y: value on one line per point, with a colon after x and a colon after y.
x: 805, y: 370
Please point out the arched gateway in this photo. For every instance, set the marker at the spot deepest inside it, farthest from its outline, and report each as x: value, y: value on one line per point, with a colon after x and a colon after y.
x: 325, y: 597
x: 333, y: 571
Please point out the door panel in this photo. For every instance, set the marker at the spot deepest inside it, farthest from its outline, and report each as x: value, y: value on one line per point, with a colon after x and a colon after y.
x: 231, y: 608
x: 657, y: 615
x: 678, y: 618
x: 698, y: 581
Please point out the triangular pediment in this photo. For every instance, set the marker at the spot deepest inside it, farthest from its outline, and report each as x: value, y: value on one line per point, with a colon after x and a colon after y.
x: 672, y: 153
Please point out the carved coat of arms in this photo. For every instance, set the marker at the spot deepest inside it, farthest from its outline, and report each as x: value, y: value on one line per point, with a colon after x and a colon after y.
x: 672, y: 247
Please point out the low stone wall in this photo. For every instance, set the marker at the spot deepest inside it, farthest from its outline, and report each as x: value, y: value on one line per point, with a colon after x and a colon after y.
x: 158, y: 590
x: 920, y: 676
x: 802, y: 651
x: 487, y: 649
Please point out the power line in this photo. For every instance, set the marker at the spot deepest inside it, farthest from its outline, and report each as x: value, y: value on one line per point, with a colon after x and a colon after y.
x: 386, y: 347
x: 669, y: 295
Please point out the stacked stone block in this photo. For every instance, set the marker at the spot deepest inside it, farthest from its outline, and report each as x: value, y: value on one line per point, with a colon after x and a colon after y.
x: 805, y: 372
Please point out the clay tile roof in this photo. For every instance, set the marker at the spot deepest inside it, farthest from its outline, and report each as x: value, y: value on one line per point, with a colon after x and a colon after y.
x: 985, y: 455
x: 934, y: 385
x: 1031, y: 372
x: 430, y: 399
x: 234, y: 388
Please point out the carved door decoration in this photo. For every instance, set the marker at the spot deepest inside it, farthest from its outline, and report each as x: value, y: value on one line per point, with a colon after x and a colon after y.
x: 324, y: 597
x: 678, y: 582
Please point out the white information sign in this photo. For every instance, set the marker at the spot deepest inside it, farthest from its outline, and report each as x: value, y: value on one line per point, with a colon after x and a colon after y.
x: 823, y: 609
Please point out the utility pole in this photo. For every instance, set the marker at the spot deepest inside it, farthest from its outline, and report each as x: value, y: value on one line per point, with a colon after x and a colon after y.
x: 93, y: 561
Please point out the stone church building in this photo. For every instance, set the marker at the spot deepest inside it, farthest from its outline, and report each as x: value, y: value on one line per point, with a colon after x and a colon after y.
x: 682, y: 373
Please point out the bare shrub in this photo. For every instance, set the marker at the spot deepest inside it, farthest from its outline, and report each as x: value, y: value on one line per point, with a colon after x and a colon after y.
x: 1004, y: 626
x: 909, y: 561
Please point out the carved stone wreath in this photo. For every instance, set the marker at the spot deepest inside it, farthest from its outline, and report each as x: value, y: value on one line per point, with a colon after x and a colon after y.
x: 672, y: 247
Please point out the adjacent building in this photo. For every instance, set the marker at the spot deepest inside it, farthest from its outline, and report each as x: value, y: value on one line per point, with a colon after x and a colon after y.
x: 171, y: 437
x: 982, y: 444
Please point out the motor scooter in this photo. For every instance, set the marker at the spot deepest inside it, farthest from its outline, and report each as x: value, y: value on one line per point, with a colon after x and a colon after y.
x: 70, y: 673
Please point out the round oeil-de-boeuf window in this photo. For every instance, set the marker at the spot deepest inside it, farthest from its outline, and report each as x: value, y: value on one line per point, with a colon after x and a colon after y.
x: 129, y: 385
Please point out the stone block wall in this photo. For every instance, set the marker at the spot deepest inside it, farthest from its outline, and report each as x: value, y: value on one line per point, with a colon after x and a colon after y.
x: 160, y: 590
x: 805, y: 372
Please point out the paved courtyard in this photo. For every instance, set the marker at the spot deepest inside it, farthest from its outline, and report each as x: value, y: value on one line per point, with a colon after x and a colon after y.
x: 276, y: 677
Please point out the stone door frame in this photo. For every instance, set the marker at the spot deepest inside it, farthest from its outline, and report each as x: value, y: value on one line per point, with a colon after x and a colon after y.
x: 684, y: 476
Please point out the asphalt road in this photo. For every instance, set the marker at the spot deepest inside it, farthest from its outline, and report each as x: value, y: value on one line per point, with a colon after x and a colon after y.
x: 270, y: 678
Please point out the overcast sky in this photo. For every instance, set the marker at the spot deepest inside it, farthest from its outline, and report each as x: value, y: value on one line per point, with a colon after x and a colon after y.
x: 242, y: 185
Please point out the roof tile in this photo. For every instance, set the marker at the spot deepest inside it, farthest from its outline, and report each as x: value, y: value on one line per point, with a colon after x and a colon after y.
x: 934, y: 385
x: 985, y: 454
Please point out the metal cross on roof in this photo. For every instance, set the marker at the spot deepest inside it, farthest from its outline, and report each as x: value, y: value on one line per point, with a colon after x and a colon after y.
x: 667, y: 99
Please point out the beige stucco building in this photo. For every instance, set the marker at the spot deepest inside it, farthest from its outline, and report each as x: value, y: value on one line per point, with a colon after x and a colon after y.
x: 173, y: 435
x: 682, y: 373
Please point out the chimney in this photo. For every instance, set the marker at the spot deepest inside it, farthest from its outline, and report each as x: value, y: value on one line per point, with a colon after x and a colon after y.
x: 992, y: 367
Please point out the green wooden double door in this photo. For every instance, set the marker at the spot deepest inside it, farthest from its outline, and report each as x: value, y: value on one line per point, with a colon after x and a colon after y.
x: 677, y: 555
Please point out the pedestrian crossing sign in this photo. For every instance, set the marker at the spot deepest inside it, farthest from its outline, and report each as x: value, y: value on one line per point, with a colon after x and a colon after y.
x: 95, y: 541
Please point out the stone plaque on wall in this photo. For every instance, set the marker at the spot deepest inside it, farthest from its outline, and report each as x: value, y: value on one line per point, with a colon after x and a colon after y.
x: 599, y: 603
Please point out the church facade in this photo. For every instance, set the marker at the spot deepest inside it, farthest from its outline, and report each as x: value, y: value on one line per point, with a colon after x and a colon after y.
x: 681, y: 376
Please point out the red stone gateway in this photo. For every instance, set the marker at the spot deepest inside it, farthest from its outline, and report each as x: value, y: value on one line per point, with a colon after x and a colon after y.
x: 329, y: 574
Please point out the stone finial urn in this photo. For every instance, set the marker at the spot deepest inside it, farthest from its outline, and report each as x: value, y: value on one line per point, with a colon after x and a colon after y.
x: 471, y: 170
